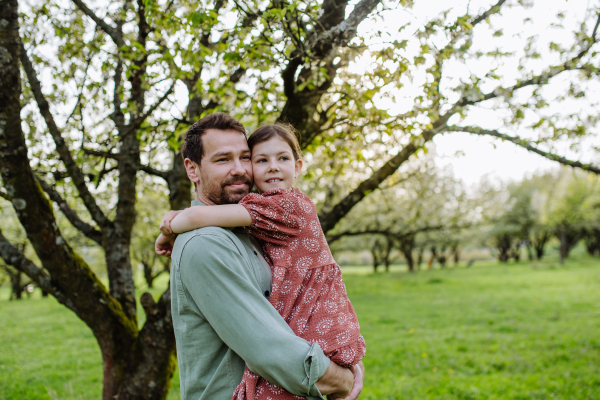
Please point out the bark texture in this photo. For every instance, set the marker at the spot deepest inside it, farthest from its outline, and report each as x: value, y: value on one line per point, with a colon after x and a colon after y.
x: 138, y: 364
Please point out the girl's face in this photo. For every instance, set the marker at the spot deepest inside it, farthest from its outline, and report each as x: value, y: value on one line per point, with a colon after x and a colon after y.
x: 274, y: 165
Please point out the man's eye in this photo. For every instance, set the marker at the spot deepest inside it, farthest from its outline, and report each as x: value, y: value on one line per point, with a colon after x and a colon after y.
x: 221, y: 160
x: 245, y: 157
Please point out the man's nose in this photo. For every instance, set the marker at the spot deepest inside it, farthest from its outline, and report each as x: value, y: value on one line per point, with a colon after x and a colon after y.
x: 238, y: 168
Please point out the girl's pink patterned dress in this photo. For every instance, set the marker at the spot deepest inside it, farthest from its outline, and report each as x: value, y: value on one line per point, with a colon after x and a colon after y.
x: 308, y: 290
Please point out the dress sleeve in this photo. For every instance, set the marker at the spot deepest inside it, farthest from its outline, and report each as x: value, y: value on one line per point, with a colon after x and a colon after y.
x: 276, y: 216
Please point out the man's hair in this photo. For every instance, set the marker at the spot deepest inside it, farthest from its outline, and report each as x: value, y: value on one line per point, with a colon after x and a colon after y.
x: 284, y: 131
x: 192, y: 142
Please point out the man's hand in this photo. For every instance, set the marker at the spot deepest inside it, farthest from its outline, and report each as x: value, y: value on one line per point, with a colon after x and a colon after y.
x: 165, y: 225
x: 359, y: 376
x: 336, y: 383
x: 332, y: 384
x: 164, y: 245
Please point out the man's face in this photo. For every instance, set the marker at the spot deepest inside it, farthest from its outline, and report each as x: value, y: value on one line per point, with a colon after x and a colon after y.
x: 225, y: 171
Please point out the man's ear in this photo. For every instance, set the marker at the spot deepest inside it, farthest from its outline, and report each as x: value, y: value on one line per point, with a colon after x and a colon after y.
x: 192, y: 170
x: 298, y: 168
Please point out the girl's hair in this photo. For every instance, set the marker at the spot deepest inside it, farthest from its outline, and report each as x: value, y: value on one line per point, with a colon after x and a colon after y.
x: 285, y: 132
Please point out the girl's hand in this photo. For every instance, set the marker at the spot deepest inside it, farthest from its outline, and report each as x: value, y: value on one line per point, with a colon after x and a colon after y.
x: 164, y: 245
x: 359, y: 376
x: 165, y: 225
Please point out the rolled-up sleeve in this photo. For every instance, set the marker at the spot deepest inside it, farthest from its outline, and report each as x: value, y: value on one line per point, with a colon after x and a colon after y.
x: 223, y: 288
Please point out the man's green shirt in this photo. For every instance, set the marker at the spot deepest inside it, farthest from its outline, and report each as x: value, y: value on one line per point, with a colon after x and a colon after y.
x: 223, y: 320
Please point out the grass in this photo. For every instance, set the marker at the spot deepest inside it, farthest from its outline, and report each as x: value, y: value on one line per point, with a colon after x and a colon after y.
x: 517, y: 331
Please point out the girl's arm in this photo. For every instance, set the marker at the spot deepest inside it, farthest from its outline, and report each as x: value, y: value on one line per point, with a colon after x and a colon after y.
x: 225, y: 216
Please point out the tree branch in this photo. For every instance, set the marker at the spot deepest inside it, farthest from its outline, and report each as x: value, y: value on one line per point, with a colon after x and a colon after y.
x: 152, y: 171
x: 110, y: 31
x: 542, y: 78
x: 526, y: 145
x: 494, y: 9
x: 61, y: 146
x: 117, y: 115
x: 99, y: 153
x: 13, y: 256
x: 345, y: 31
x: 234, y: 78
x: 137, y: 122
x: 386, y: 232
x: 370, y: 184
x: 71, y: 215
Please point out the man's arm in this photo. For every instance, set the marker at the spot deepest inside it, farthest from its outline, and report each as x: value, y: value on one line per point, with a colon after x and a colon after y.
x: 223, y: 287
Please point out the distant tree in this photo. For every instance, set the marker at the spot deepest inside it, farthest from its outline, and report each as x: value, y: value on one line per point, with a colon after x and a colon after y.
x: 381, y: 252
x: 592, y: 241
x: 421, y: 200
x: 572, y: 209
x: 539, y: 238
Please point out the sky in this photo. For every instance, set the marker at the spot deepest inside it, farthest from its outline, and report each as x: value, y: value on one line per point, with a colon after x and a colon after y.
x: 471, y: 157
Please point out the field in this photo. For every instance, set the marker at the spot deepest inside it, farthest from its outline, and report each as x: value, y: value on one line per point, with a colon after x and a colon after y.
x: 516, y: 331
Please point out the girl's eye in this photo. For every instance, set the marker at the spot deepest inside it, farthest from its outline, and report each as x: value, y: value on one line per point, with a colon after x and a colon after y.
x: 261, y: 160
x: 284, y: 158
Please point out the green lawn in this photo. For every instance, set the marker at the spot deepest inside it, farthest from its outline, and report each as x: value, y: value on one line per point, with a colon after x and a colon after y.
x: 489, y: 332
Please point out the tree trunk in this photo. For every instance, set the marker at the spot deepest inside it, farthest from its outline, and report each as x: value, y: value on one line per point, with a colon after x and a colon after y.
x: 503, y: 243
x: 441, y: 258
x: 539, y: 252
x: 148, y: 274
x: 180, y: 195
x: 375, y: 259
x: 388, y: 251
x: 410, y: 263
x: 420, y: 257
x: 592, y: 242
x: 138, y: 364
x: 563, y: 246
x: 143, y: 368
x: 407, y: 245
x: 456, y: 254
x: 432, y: 257
x: 17, y: 288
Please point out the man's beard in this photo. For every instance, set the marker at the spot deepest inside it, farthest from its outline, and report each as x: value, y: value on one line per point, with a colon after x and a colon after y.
x: 223, y: 194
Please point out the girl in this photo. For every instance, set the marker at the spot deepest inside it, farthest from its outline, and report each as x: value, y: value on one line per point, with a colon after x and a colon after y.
x: 308, y: 291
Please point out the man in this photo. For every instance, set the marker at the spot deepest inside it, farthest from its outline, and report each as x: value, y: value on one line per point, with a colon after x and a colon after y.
x: 220, y: 287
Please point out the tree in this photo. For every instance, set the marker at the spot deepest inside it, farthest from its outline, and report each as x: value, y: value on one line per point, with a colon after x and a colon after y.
x: 420, y: 200
x: 108, y: 104
x: 571, y: 210
x: 381, y: 250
